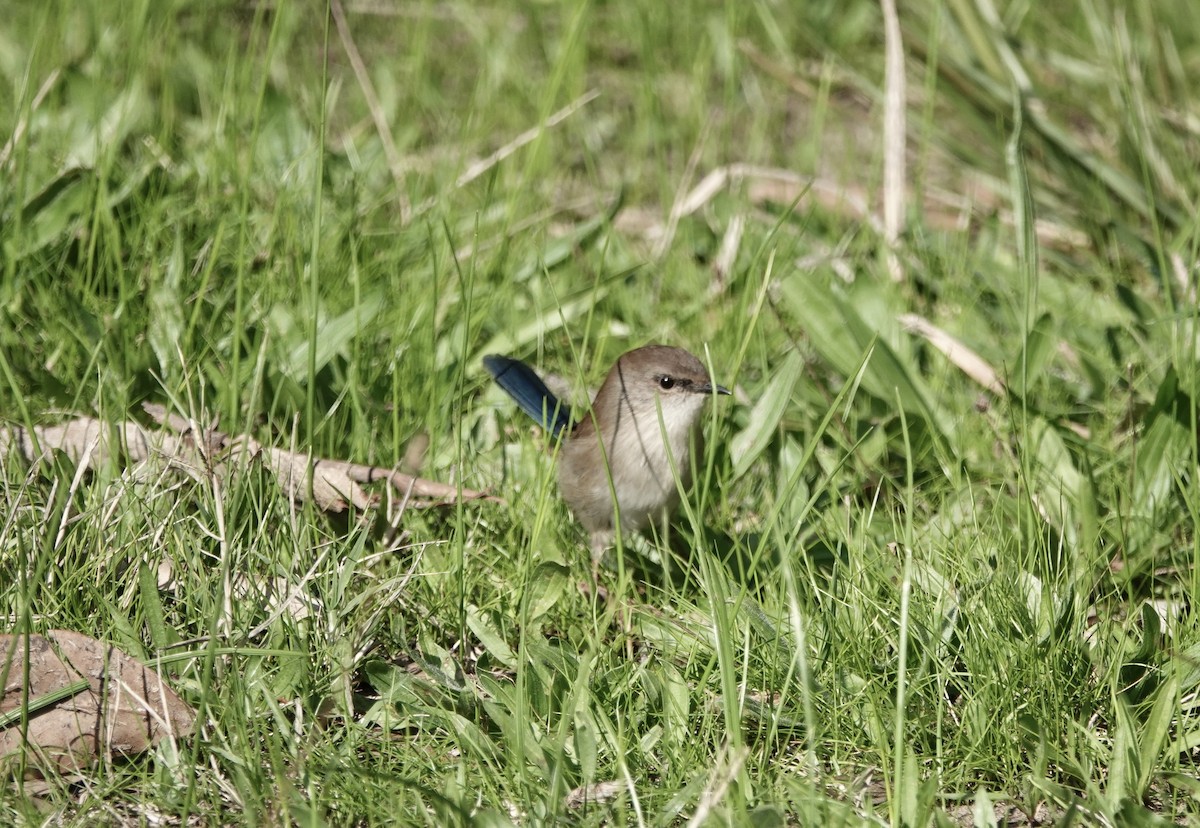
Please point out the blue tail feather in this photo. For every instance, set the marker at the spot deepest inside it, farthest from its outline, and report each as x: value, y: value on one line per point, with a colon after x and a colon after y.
x: 530, y: 393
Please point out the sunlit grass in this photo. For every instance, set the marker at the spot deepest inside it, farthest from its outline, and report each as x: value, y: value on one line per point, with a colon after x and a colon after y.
x: 913, y: 586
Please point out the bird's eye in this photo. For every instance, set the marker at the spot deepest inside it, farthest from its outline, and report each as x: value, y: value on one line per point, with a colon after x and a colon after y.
x: 666, y: 383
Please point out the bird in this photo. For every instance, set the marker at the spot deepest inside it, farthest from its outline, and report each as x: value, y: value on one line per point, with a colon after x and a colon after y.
x: 622, y: 465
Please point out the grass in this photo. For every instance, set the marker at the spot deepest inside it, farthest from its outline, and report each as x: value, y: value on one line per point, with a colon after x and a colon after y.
x: 908, y: 592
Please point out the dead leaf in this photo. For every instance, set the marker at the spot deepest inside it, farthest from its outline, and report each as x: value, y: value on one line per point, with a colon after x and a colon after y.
x: 331, y: 488
x: 595, y: 793
x: 84, y: 439
x: 334, y: 482
x: 202, y: 450
x: 85, y: 699
x: 277, y: 595
x: 961, y: 356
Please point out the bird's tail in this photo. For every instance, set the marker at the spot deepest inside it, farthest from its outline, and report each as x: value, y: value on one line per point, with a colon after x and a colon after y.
x: 531, y: 394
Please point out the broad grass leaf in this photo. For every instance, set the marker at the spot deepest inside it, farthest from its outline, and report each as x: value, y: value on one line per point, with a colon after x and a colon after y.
x: 1073, y: 303
x: 1187, y: 782
x: 410, y: 701
x: 507, y: 709
x: 475, y: 741
x: 392, y: 683
x: 1164, y: 443
x: 117, y: 704
x: 333, y: 337
x: 165, y: 320
x: 1060, y: 491
x: 287, y: 151
x: 915, y: 795
x: 56, y: 211
x: 130, y: 184
x: 983, y: 809
x: 1042, y: 615
x: 490, y: 638
x: 550, y: 661
x: 127, y: 112
x: 767, y: 816
x: 61, y: 184
x: 540, y: 325
x: 1155, y: 731
x: 939, y: 587
x: 747, y: 445
x: 548, y: 584
x: 820, y: 313
x: 1160, y: 451
x: 586, y: 743
x: 893, y: 378
x: 560, y: 249
x: 1124, y: 763
x: 489, y: 818
x: 289, y: 676
x: 1095, y: 325
x: 842, y: 336
x: 1035, y: 355
x: 675, y: 702
x: 161, y: 634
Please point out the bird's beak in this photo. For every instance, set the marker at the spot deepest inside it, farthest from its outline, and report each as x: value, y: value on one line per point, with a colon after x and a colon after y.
x: 709, y: 388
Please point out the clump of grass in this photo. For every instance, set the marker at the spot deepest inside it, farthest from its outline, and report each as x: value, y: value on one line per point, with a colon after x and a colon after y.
x: 939, y: 565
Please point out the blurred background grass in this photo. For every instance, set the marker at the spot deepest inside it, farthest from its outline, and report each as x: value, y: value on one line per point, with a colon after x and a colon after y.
x: 911, y: 593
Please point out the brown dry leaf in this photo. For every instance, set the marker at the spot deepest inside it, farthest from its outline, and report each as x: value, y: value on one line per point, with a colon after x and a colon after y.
x: 124, y: 707
x: 334, y: 482
x: 89, y: 442
x: 84, y: 439
x: 184, y: 443
x: 961, y: 356
x: 331, y: 489
x: 723, y: 265
x: 277, y: 595
x: 200, y: 450
x: 595, y: 793
x: 408, y: 485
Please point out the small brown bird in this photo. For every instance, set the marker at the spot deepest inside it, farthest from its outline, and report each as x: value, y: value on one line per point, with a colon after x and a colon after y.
x: 626, y: 460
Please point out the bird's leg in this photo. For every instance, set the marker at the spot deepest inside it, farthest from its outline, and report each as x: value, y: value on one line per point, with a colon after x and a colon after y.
x: 599, y: 542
